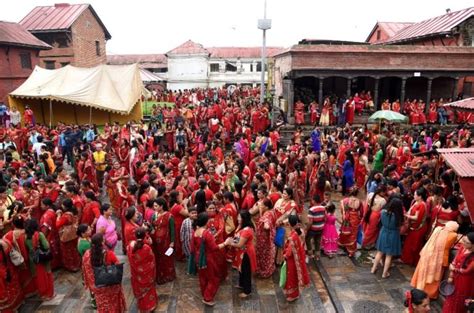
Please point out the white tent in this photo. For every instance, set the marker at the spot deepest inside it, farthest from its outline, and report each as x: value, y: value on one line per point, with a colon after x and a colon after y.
x: 149, y: 77
x: 113, y: 89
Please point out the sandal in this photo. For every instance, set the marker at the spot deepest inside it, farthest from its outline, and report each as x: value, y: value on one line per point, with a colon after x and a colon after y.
x: 386, y: 275
x: 243, y: 295
x: 212, y: 303
x: 292, y: 299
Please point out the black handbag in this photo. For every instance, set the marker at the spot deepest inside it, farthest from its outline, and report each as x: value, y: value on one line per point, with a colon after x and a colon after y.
x: 108, y: 275
x: 42, y: 256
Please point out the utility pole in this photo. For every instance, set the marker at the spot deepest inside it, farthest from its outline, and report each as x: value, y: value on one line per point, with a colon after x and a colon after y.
x: 263, y: 24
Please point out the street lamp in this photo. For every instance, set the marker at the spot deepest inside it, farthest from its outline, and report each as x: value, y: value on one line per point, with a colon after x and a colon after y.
x: 263, y: 24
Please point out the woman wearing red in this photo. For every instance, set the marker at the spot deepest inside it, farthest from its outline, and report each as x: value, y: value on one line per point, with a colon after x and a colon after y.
x: 48, y: 228
x: 245, y: 258
x: 371, y: 227
x: 70, y: 257
x: 417, y: 228
x: 91, y: 212
x: 433, y: 112
x: 41, y: 272
x: 266, y: 249
x: 206, y: 252
x: 130, y: 225
x: 297, y: 276
x: 351, y: 212
x: 11, y: 294
x: 462, y: 276
x: 179, y: 212
x: 350, y: 111
x: 109, y: 299
x: 142, y: 270
x: 163, y: 239
x: 216, y: 225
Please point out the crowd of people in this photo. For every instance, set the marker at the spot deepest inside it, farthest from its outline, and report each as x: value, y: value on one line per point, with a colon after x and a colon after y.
x: 340, y: 110
x: 209, y: 183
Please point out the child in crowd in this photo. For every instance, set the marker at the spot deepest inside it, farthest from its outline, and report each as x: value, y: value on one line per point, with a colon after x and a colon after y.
x: 330, y: 235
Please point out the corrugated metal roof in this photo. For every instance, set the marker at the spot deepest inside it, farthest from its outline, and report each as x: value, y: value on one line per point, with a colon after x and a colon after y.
x: 61, y: 16
x: 189, y: 47
x: 433, y: 26
x: 145, y: 60
x: 242, y: 52
x: 462, y: 105
x: 391, y: 28
x: 16, y: 35
x: 461, y: 160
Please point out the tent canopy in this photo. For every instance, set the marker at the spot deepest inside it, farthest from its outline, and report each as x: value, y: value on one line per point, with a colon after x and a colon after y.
x: 466, y: 105
x: 112, y: 88
x: 148, y: 76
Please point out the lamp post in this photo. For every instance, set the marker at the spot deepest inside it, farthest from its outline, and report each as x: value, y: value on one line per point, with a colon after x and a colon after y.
x: 263, y: 24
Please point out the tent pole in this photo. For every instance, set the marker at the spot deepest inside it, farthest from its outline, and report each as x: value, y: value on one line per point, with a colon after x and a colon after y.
x: 50, y: 112
x: 90, y: 115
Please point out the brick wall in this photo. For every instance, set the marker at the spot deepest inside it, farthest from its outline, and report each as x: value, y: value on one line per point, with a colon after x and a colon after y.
x: 12, y: 75
x: 85, y: 32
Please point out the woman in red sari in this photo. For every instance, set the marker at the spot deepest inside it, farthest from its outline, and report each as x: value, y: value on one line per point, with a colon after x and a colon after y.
x: 297, y: 276
x: 130, y: 225
x: 41, y: 272
x: 245, y: 260
x: 48, y: 228
x: 11, y: 294
x: 70, y: 257
x: 180, y: 212
x: 417, y: 227
x: 109, y: 299
x: 266, y: 249
x: 370, y: 224
x: 206, y: 253
x: 433, y: 112
x: 350, y: 111
x: 351, y: 212
x: 142, y: 270
x: 216, y: 226
x: 462, y: 276
x: 31, y: 200
x: 163, y: 239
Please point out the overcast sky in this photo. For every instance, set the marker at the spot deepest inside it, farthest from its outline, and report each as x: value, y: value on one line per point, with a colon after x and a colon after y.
x: 157, y: 26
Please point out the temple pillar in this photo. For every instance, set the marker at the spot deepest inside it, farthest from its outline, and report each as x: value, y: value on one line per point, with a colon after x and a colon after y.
x: 289, y: 95
x: 320, y: 91
x: 348, y: 91
x: 455, y: 89
x: 402, y: 91
x: 428, y: 95
x: 376, y: 93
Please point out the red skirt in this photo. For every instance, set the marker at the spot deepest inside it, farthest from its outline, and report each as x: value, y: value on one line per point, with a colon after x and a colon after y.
x: 413, y: 244
x: 70, y: 257
x: 44, y: 281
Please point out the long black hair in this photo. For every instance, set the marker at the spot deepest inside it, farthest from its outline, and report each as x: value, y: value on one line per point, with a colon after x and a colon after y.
x: 246, y: 219
x: 140, y: 234
x: 381, y: 188
x: 395, y: 207
x: 97, y: 250
x: 31, y: 226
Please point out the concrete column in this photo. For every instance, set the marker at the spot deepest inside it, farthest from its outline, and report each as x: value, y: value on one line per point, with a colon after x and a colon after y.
x: 288, y: 94
x: 320, y: 91
x: 402, y: 91
x: 376, y: 93
x: 455, y: 89
x: 428, y: 95
x: 348, y: 91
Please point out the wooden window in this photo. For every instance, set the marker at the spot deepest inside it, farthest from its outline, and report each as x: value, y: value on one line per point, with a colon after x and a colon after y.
x: 230, y: 68
x: 25, y: 59
x: 379, y: 34
x: 63, y: 64
x: 259, y: 66
x: 97, y: 47
x: 50, y: 65
x: 214, y: 67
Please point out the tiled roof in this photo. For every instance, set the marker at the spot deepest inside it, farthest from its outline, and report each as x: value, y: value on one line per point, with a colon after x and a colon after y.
x: 189, y: 47
x: 461, y: 160
x: 390, y: 28
x: 58, y: 17
x: 241, y: 52
x: 464, y: 104
x: 145, y: 60
x: 442, y: 24
x: 14, y: 34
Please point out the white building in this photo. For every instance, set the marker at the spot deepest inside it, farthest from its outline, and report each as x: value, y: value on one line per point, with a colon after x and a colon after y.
x: 190, y: 65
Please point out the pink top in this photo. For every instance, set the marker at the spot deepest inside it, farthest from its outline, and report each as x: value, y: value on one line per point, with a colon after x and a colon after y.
x: 110, y: 235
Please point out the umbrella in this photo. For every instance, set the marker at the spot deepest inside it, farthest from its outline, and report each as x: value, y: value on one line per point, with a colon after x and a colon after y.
x: 388, y: 115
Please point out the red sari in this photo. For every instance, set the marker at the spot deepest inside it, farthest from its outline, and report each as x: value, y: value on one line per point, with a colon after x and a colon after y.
x: 248, y: 249
x: 266, y: 249
x: 129, y: 233
x: 109, y: 299
x: 297, y: 276
x: 178, y: 221
x: 48, y: 228
x: 11, y: 294
x: 463, y: 281
x: 142, y: 270
x: 70, y: 257
x: 416, y: 234
x: 216, y: 226
x: 209, y: 274
x: 348, y: 236
x: 163, y: 236
x: 41, y: 272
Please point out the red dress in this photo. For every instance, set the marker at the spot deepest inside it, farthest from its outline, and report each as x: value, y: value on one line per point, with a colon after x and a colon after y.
x: 163, y: 236
x: 297, y: 276
x: 48, y: 228
x: 248, y: 249
x: 70, y: 257
x: 352, y: 217
x: 266, y: 249
x: 216, y: 227
x: 178, y: 221
x: 109, y: 299
x: 142, y: 270
x: 463, y: 283
x: 350, y: 112
x: 416, y: 234
x: 41, y: 272
x: 209, y: 275
x: 11, y: 294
